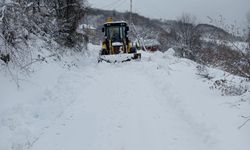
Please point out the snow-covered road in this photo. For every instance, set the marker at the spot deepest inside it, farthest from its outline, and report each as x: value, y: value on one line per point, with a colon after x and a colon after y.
x: 121, y: 109
x: 158, y: 103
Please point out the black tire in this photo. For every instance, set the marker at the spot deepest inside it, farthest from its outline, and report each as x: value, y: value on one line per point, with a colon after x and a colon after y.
x: 104, y: 52
x: 133, y: 50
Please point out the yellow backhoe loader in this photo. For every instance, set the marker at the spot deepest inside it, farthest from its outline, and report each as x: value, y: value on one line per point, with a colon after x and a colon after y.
x: 116, y: 46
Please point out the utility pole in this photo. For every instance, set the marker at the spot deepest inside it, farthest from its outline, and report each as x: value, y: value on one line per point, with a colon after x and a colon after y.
x: 131, y: 9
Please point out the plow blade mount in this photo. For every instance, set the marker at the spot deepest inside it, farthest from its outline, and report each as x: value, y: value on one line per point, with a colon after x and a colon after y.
x: 119, y: 58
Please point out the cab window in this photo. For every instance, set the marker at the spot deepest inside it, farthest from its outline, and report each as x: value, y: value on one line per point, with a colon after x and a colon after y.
x: 116, y: 33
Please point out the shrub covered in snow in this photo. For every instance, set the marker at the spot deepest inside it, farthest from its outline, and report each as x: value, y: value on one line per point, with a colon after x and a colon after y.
x: 53, y: 22
x: 228, y: 88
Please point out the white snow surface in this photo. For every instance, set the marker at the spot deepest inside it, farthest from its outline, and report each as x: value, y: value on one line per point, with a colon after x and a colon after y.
x: 158, y: 103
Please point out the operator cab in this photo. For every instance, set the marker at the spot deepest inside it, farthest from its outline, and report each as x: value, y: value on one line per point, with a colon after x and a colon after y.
x: 116, y: 31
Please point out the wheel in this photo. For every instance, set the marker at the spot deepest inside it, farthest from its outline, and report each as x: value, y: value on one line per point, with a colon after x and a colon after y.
x: 104, y: 52
x: 133, y: 50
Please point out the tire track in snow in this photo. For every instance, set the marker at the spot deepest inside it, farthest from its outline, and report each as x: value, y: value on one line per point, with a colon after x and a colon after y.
x: 160, y: 74
x: 120, y: 109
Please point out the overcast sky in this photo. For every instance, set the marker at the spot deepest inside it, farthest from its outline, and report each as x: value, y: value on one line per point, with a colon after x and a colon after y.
x: 231, y: 10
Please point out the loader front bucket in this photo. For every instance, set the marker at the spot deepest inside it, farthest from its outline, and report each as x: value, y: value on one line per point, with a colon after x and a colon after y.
x: 119, y: 58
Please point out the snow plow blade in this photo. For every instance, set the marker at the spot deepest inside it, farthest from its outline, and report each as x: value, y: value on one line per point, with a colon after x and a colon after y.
x: 119, y: 58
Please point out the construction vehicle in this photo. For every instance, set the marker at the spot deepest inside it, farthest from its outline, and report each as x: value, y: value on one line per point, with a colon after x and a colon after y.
x: 116, y: 46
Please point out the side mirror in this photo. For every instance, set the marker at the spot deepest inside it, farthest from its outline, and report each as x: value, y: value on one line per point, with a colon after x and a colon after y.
x: 127, y: 28
x: 102, y: 29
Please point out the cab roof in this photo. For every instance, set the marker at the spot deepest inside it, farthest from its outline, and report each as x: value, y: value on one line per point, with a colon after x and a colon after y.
x: 115, y: 23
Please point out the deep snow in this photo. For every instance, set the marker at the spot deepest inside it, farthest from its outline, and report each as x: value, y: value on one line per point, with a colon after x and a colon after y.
x: 157, y: 103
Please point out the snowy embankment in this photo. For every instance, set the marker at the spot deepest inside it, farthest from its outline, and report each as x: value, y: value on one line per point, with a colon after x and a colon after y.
x: 157, y: 103
x: 235, y: 45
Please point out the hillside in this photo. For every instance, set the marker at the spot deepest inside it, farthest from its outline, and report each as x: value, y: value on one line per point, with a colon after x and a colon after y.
x: 148, y: 28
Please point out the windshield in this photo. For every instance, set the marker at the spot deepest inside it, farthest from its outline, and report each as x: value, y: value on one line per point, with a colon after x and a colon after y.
x: 116, y: 33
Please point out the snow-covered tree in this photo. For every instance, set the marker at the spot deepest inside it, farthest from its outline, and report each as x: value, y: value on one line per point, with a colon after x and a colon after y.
x: 68, y: 14
x: 187, y: 35
x: 50, y: 20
